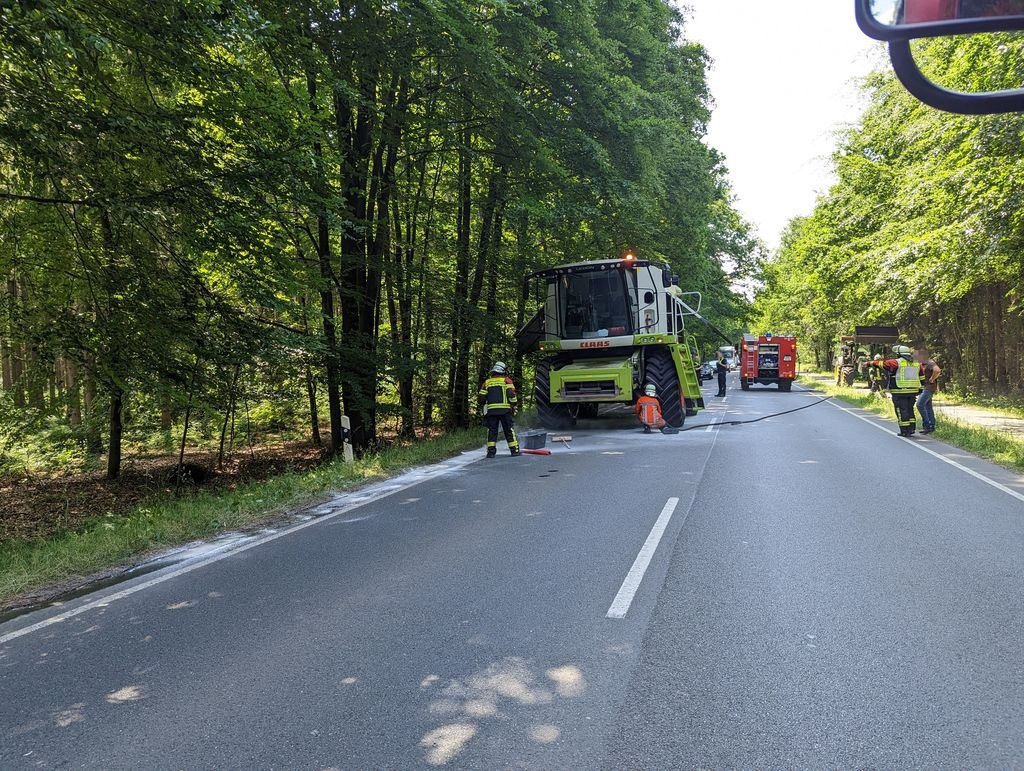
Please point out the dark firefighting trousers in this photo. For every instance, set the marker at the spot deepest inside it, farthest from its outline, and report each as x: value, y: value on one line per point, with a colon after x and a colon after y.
x: 721, y: 384
x: 904, y: 406
x: 507, y: 425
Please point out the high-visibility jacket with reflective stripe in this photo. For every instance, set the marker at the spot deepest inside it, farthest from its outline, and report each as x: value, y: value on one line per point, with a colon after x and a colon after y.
x: 907, y: 379
x: 648, y: 409
x: 899, y: 376
x: 499, y: 394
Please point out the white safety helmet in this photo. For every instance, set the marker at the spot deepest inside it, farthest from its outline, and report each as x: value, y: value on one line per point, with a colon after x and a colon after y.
x: 878, y: 357
x: 650, y: 390
x: 498, y: 368
x: 902, y: 350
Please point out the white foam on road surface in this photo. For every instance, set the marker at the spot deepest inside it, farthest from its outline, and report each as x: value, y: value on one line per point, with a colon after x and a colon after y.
x: 340, y: 504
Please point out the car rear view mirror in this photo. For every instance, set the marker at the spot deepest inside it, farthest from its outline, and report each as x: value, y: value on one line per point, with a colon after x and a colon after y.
x: 900, y: 21
x: 904, y: 19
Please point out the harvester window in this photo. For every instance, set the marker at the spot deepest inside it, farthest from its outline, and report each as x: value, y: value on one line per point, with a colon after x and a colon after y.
x: 594, y: 304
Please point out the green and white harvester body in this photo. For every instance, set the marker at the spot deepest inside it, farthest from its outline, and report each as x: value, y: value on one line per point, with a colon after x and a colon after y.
x: 604, y: 330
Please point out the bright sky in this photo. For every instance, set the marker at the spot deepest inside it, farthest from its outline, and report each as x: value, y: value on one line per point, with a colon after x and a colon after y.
x: 781, y: 89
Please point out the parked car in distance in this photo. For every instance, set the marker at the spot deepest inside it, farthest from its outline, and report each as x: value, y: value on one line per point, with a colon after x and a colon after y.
x: 708, y: 370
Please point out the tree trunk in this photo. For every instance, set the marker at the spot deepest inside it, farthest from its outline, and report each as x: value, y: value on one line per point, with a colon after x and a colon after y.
x: 229, y: 414
x: 458, y: 374
x: 469, y: 331
x: 314, y: 412
x: 354, y: 133
x: 992, y: 342
x: 6, y: 378
x: 332, y: 366
x: 74, y: 393
x: 116, y: 429
x: 980, y: 347
x: 93, y: 438
x: 491, y: 319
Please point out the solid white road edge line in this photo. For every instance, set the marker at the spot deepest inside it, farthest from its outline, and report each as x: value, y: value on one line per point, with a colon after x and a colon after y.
x: 940, y: 456
x: 624, y: 598
x: 102, y: 602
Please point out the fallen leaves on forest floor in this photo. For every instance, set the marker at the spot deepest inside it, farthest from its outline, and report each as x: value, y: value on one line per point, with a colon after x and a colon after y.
x: 39, y: 506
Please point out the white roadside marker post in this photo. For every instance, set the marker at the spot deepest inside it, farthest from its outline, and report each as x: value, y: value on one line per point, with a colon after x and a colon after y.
x: 346, y: 439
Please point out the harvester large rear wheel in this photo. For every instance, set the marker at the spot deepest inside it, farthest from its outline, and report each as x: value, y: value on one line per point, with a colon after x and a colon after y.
x: 661, y: 371
x: 554, y: 416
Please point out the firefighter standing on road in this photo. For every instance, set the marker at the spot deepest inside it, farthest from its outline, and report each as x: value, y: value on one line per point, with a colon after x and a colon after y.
x: 648, y: 409
x: 901, y: 377
x: 498, y: 394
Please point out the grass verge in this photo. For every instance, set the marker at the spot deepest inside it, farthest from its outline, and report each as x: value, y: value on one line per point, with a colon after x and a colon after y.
x: 1002, y: 448
x: 27, y: 566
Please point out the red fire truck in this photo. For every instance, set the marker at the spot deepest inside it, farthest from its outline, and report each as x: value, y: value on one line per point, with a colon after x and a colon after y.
x: 768, y: 359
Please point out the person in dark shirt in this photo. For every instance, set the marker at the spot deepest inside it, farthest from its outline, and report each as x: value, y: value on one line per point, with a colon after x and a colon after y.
x: 930, y: 372
x: 722, y: 369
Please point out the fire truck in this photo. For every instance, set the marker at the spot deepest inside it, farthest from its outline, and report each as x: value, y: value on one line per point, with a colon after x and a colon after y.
x: 768, y: 359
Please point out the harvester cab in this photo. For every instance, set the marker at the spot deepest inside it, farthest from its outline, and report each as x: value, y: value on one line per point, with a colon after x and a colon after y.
x: 604, y: 330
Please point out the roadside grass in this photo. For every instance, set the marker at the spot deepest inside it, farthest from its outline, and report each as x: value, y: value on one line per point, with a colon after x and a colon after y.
x: 1005, y: 449
x: 1004, y: 405
x: 27, y: 566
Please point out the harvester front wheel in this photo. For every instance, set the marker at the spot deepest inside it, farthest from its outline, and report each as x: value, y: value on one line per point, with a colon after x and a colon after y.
x: 661, y: 371
x: 553, y: 416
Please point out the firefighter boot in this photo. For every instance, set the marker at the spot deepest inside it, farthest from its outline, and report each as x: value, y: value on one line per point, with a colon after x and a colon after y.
x: 492, y: 451
x: 515, y: 452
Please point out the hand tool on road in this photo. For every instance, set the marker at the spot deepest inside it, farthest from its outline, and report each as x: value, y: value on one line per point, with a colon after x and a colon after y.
x: 564, y: 439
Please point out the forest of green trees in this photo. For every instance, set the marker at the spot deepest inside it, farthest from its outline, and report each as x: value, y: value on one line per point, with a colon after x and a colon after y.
x: 924, y: 227
x: 217, y: 210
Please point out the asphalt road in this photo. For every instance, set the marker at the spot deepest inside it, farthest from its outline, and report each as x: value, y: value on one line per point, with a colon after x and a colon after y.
x: 822, y: 594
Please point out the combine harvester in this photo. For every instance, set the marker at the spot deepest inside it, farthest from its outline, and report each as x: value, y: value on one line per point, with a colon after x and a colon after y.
x: 606, y: 328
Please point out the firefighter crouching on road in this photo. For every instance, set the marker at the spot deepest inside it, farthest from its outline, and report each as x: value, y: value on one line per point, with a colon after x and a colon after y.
x: 901, y: 377
x: 648, y: 409
x: 498, y: 393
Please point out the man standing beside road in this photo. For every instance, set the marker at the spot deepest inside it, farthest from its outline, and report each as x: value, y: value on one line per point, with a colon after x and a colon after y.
x: 498, y: 394
x: 722, y: 368
x: 901, y: 377
x: 930, y: 372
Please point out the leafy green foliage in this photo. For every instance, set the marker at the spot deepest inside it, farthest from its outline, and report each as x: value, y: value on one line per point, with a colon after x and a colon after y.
x: 922, y: 228
x: 309, y: 209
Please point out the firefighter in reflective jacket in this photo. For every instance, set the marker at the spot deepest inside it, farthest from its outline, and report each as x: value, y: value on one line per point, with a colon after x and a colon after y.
x: 498, y: 393
x: 648, y: 409
x: 901, y: 377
